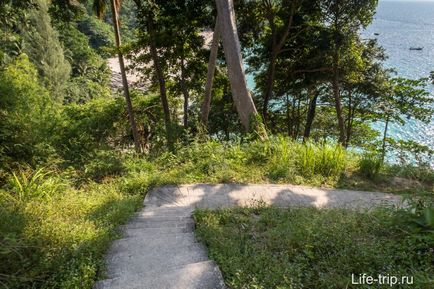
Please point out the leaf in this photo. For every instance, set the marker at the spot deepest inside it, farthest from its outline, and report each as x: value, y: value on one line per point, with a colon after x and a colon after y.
x: 429, y: 216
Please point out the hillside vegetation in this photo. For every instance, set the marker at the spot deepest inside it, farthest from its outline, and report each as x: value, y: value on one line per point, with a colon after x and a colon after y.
x: 77, y: 157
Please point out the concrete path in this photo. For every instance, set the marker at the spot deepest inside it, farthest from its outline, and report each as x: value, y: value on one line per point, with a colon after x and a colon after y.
x: 159, y: 250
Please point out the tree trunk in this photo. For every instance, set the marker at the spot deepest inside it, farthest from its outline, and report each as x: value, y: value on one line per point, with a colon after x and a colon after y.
x: 288, y: 117
x: 297, y: 126
x: 349, y: 119
x: 210, y: 74
x: 184, y: 91
x: 349, y: 128
x: 269, y: 85
x: 124, y: 78
x: 276, y: 48
x: 337, y: 97
x: 293, y: 117
x: 310, y: 113
x: 383, y: 147
x: 161, y: 81
x: 231, y: 45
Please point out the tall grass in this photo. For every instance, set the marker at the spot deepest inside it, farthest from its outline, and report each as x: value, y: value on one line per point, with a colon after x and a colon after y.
x: 53, y: 235
x: 56, y: 225
x: 323, y: 159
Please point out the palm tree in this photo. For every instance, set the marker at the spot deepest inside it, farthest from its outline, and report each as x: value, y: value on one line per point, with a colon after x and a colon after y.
x: 99, y: 7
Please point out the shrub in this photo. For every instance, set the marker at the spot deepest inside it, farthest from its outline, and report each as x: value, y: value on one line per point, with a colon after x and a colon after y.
x: 103, y: 164
x: 86, y: 127
x: 27, y: 114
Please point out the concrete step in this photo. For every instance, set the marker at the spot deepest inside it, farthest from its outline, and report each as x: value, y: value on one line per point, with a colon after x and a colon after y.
x: 155, y: 242
x: 147, y: 262
x: 199, y: 275
x: 162, y: 211
x: 140, y: 217
x: 134, y: 230
x: 156, y: 223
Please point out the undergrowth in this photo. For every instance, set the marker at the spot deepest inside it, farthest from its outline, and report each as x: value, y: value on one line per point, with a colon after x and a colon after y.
x: 267, y: 247
x: 58, y: 221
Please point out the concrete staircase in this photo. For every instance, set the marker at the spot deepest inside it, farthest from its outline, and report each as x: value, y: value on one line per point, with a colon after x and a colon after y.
x: 160, y: 251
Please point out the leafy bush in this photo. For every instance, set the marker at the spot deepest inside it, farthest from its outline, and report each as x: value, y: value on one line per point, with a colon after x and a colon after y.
x: 103, y: 164
x: 86, y: 127
x: 27, y: 114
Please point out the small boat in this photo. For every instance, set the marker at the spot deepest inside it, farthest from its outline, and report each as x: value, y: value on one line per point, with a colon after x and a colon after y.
x: 376, y: 34
x: 416, y: 48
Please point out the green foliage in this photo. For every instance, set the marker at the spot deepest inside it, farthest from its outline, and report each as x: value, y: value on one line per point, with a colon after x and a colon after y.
x: 100, y: 34
x: 315, y: 161
x: 412, y: 152
x: 103, y: 164
x: 276, y: 159
x: 418, y: 218
x: 56, y: 222
x: 370, y: 166
x: 90, y: 74
x: 42, y: 45
x: 409, y: 99
x: 53, y: 235
x: 27, y: 114
x: 86, y: 127
x: 267, y: 247
x: 324, y: 159
x: 32, y: 185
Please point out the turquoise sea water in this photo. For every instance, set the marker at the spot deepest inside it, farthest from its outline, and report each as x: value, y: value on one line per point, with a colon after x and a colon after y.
x: 401, y: 25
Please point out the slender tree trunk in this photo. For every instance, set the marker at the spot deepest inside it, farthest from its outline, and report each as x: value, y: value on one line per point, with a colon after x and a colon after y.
x: 288, y: 117
x: 124, y: 78
x: 269, y: 85
x: 297, y: 126
x: 293, y: 118
x: 161, y: 81
x: 231, y: 45
x: 310, y: 113
x: 383, y: 147
x: 337, y: 97
x: 349, y: 119
x: 210, y: 74
x: 184, y: 91
x: 276, y: 48
x: 349, y: 128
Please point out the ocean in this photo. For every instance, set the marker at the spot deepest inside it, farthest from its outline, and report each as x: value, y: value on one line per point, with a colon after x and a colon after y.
x: 401, y: 25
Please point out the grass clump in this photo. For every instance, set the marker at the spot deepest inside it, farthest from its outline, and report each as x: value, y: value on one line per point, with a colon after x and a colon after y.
x: 267, y: 247
x: 370, y: 166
